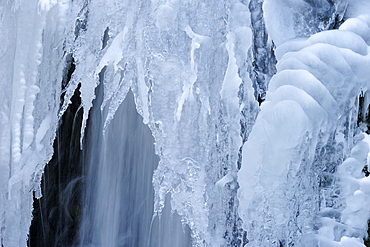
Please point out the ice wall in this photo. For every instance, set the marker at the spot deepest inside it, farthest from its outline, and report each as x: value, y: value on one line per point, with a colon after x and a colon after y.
x: 305, y: 126
x: 182, y: 60
x: 31, y: 57
x: 189, y: 64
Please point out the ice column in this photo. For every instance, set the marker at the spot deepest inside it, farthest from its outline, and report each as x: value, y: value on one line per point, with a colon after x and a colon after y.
x: 317, y: 82
x: 29, y: 58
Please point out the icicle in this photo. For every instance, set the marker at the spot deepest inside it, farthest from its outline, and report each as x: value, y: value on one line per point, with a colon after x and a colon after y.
x: 187, y: 89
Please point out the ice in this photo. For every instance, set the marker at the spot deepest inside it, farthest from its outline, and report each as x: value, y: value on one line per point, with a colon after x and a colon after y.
x: 286, y: 19
x: 46, y: 5
x: 354, y: 184
x: 280, y: 20
x: 316, y: 79
x: 347, y: 242
x: 341, y: 39
x: 356, y: 8
x: 184, y: 71
x: 165, y: 16
x: 226, y: 179
x: 357, y: 26
x: 307, y: 82
x: 187, y: 89
x: 255, y: 178
x: 197, y: 71
x: 113, y: 55
x: 26, y: 100
x: 351, y: 166
x: 41, y: 132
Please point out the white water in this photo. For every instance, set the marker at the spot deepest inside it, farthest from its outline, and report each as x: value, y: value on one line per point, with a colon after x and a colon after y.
x: 190, y: 65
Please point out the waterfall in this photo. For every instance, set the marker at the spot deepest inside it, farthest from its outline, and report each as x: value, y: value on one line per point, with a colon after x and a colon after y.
x: 184, y: 123
x: 119, y: 196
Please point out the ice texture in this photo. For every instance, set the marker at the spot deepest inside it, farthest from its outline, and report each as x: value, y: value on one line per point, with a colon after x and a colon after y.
x: 317, y: 80
x: 288, y: 19
x: 183, y: 60
x: 261, y: 55
x: 197, y: 70
x: 31, y: 47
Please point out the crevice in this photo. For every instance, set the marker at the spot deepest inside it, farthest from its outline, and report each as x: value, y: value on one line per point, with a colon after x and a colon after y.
x: 105, y: 38
x: 69, y: 68
x: 262, y: 53
x: 363, y: 118
x: 81, y: 21
x: 367, y: 239
x: 56, y: 215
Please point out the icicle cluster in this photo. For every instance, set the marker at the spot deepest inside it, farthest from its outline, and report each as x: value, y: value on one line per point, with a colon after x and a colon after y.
x: 188, y: 64
x: 31, y: 67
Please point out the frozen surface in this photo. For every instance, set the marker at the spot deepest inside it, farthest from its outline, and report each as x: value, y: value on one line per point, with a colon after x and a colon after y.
x: 181, y: 59
x: 317, y: 80
x: 193, y: 68
x: 288, y: 19
x: 28, y: 107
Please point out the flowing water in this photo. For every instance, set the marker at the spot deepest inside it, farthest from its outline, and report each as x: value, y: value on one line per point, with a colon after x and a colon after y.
x: 119, y: 195
x: 292, y: 172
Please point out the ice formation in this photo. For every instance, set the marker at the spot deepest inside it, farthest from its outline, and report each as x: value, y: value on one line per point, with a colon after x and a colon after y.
x: 317, y: 82
x: 30, y: 72
x: 197, y: 70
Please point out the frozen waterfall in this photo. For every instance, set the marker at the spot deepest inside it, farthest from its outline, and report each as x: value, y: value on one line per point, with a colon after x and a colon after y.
x: 184, y: 123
